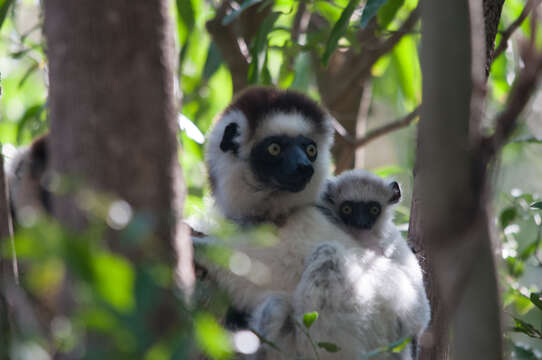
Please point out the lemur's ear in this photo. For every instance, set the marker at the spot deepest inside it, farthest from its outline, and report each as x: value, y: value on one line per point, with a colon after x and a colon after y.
x: 228, y: 138
x: 396, y: 196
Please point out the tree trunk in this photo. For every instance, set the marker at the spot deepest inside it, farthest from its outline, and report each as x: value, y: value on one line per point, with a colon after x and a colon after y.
x: 449, y: 221
x: 8, y: 267
x: 113, y: 120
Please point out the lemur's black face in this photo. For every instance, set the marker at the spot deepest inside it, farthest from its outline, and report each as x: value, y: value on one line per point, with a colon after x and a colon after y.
x: 284, y: 162
x: 360, y: 214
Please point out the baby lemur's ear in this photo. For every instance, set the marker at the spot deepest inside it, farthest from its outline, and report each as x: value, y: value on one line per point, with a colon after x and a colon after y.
x: 329, y: 192
x: 396, y: 195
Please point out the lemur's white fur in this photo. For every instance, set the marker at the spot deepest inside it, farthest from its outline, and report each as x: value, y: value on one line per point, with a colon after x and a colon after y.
x: 374, y: 293
x: 24, y: 190
x: 368, y: 292
x: 239, y: 194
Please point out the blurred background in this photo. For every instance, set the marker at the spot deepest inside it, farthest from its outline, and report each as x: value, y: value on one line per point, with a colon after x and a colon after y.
x: 362, y: 63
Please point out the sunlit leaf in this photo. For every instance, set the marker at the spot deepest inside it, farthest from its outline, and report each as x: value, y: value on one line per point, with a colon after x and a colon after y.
x: 390, y: 170
x: 309, y: 319
x: 211, y: 338
x: 185, y: 11
x: 4, y: 9
x: 522, y: 304
x: 405, y: 56
x: 235, y: 13
x: 370, y: 10
x: 396, y: 346
x: 400, y: 345
x: 338, y: 30
x: 329, y: 347
x: 114, y: 280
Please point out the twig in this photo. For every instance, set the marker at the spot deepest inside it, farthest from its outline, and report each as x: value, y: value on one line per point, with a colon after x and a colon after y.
x: 355, y: 143
x: 507, y: 33
x: 359, y: 67
x: 387, y: 128
x: 304, y: 331
x: 378, y: 132
x: 231, y: 50
x: 519, y: 97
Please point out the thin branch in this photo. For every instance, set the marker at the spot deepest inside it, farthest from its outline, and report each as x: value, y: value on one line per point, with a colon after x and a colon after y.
x: 387, y: 128
x: 352, y: 143
x: 225, y: 38
x: 378, y: 132
x: 359, y: 66
x: 519, y: 96
x: 507, y: 33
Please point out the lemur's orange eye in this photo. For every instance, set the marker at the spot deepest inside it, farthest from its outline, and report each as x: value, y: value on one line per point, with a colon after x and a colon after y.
x: 374, y: 210
x: 311, y: 150
x: 346, y: 209
x: 273, y: 149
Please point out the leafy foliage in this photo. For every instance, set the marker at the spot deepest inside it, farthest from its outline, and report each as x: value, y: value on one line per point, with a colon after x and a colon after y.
x: 114, y: 296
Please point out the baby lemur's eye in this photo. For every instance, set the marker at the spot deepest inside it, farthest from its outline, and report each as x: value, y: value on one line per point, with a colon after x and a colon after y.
x: 374, y: 210
x: 273, y: 149
x: 311, y: 150
x: 346, y: 209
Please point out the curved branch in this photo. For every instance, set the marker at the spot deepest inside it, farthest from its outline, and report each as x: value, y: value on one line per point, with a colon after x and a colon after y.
x: 230, y: 47
x: 507, y: 33
x: 378, y: 132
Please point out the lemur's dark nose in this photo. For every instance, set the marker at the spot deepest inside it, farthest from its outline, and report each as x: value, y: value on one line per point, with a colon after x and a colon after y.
x: 304, y: 170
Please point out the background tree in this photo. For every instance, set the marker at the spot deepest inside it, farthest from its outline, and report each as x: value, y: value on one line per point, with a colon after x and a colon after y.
x: 361, y: 59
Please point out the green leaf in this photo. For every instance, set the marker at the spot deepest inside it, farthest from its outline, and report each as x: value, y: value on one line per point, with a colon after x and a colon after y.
x: 234, y: 14
x: 536, y: 298
x: 515, y: 266
x: 309, y: 318
x: 400, y: 345
x: 529, y: 250
x: 185, y: 11
x: 4, y: 9
x: 508, y: 215
x: 370, y: 10
x: 33, y: 67
x: 405, y: 58
x: 338, y: 30
x: 114, y: 280
x: 329, y: 347
x: 526, y: 328
x: 30, y: 118
x: 211, y: 338
x: 213, y: 61
x: 259, y: 44
x: 388, y: 11
x: 537, y: 205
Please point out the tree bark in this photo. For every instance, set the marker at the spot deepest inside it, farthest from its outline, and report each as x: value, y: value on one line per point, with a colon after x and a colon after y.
x: 449, y: 222
x: 492, y: 15
x: 113, y: 121
x: 8, y: 267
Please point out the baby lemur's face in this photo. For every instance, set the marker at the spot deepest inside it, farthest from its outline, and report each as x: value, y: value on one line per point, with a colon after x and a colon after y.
x: 359, y: 201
